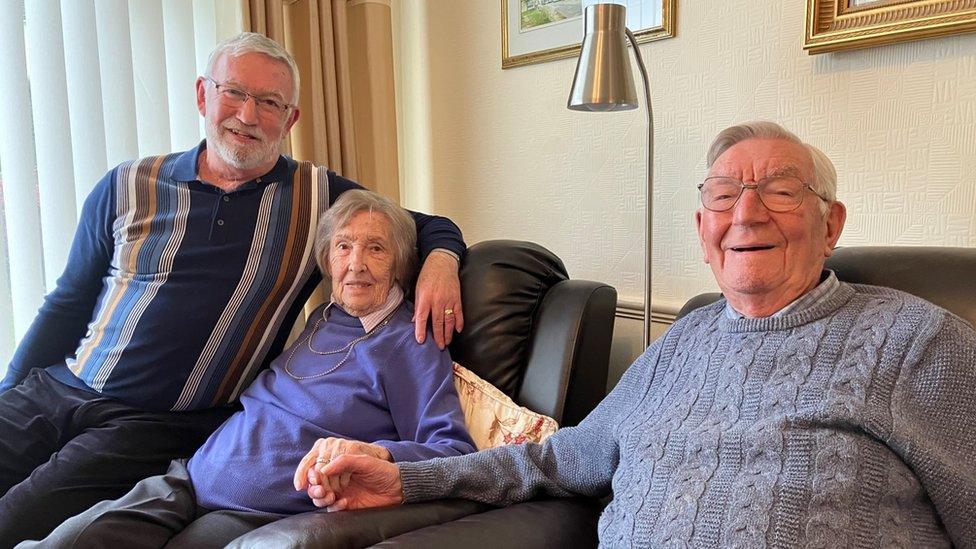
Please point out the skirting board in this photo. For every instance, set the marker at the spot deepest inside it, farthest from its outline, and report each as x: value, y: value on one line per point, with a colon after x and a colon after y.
x: 634, y: 310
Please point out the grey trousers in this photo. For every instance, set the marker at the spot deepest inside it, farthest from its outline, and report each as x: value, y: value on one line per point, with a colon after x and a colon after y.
x: 64, y: 449
x: 159, y: 511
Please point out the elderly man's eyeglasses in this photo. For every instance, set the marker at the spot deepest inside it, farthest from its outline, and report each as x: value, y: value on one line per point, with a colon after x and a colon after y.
x: 234, y: 97
x: 779, y: 193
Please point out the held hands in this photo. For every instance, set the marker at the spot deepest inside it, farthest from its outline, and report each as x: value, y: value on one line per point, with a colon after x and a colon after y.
x: 439, y: 298
x: 355, y: 481
x: 309, y: 474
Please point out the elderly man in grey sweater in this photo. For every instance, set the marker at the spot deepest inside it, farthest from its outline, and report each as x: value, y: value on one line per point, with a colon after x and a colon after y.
x: 797, y: 411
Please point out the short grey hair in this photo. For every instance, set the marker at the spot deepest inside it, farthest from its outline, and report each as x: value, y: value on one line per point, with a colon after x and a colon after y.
x: 252, y: 42
x: 824, y: 173
x: 402, y: 232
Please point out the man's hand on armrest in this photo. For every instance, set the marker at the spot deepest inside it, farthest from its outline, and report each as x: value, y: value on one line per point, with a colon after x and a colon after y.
x: 439, y: 298
x: 358, y: 482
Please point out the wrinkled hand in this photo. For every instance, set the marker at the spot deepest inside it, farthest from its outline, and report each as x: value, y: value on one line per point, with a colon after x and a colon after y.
x: 360, y: 482
x: 438, y: 291
x: 308, y: 474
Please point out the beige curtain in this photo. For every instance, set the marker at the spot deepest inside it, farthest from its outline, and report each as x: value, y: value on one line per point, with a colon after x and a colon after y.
x: 344, y: 51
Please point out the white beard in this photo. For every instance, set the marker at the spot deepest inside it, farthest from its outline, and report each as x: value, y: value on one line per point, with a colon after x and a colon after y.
x: 241, y: 157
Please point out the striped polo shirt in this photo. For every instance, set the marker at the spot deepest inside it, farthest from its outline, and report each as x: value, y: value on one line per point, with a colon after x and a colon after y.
x: 198, y: 288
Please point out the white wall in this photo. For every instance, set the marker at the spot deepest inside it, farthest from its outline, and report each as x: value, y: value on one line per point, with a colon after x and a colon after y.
x: 498, y: 151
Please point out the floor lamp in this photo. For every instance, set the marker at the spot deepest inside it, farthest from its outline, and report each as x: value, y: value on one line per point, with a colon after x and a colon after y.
x: 604, y: 82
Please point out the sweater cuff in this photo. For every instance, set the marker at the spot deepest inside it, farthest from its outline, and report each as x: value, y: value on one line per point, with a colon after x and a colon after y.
x: 420, y: 481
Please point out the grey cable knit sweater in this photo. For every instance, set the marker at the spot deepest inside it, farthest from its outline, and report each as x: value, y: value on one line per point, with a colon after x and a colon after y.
x: 850, y: 423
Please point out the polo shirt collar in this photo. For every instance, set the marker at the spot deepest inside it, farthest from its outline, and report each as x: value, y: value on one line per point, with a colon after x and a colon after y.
x: 185, y: 167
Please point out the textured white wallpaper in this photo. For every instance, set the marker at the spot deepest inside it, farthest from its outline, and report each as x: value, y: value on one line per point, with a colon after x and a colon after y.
x: 500, y: 153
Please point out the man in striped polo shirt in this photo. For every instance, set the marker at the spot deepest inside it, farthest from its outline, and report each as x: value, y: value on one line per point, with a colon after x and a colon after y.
x: 186, y: 272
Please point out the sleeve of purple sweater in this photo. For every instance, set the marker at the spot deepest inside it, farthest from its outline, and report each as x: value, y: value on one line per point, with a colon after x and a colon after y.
x: 577, y: 460
x: 420, y: 393
x: 65, y: 313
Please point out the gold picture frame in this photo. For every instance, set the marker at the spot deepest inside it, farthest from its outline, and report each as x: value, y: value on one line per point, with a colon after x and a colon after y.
x: 834, y: 25
x: 558, y: 41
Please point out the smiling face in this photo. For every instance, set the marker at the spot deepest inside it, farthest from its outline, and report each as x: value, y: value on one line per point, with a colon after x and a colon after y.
x: 763, y: 260
x: 246, y: 139
x: 361, y: 263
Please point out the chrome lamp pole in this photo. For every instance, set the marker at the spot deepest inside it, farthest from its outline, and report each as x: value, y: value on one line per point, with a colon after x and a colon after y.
x: 604, y: 82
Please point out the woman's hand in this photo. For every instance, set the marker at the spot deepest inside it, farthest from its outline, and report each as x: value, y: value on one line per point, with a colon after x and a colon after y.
x: 308, y: 474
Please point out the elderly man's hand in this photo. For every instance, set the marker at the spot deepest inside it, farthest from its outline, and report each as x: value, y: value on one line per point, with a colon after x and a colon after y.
x: 309, y: 470
x: 439, y: 298
x: 358, y: 482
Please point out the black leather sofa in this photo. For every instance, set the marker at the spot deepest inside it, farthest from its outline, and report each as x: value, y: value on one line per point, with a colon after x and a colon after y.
x: 539, y: 337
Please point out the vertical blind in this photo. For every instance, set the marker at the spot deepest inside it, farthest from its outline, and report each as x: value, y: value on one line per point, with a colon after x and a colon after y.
x: 86, y: 84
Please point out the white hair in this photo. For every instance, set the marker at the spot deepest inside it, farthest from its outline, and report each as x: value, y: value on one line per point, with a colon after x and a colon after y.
x: 402, y: 231
x: 824, y: 173
x: 252, y: 42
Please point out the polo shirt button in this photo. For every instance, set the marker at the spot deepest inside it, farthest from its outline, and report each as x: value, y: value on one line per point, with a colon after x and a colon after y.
x: 220, y: 222
x: 226, y: 198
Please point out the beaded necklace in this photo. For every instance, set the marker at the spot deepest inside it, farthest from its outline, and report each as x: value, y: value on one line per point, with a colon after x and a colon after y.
x: 347, y: 348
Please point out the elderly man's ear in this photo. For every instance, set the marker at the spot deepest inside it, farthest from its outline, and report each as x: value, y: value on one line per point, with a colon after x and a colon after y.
x: 201, y: 92
x: 835, y: 219
x: 701, y: 240
x: 292, y: 118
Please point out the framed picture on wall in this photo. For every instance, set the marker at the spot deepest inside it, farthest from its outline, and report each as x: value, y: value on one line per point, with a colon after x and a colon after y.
x: 542, y: 30
x: 834, y: 25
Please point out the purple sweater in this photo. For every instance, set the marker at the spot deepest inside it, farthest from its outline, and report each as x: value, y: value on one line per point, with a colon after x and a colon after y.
x: 391, y: 391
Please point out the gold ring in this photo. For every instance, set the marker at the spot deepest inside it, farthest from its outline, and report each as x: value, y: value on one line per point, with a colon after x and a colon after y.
x: 322, y: 460
x: 448, y: 311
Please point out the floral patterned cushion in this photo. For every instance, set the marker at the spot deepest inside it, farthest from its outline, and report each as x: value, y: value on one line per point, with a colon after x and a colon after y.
x: 492, y: 418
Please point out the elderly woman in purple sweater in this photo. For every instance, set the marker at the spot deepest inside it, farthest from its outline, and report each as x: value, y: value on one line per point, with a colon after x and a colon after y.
x: 354, y: 382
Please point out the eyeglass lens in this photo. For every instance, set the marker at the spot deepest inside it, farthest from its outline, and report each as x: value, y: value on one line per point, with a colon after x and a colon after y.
x: 778, y: 193
x: 235, y: 97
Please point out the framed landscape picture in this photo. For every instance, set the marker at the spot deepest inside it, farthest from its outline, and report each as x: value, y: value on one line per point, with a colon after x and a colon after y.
x: 542, y: 30
x: 834, y: 25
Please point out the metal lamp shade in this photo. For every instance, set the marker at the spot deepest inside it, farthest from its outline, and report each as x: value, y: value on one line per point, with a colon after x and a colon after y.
x: 603, y: 80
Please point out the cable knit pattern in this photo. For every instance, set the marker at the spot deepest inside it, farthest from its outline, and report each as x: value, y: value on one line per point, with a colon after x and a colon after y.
x: 847, y: 424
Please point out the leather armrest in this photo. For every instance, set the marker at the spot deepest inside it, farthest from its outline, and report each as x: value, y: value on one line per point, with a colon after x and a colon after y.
x: 354, y: 528
x: 566, y: 372
x: 564, y: 522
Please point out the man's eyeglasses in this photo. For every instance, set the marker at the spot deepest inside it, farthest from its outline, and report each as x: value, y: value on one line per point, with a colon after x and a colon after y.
x: 779, y: 193
x: 234, y: 97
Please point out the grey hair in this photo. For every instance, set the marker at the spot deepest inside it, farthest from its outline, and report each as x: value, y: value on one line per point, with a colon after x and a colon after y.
x: 824, y: 173
x: 402, y: 231
x: 252, y: 42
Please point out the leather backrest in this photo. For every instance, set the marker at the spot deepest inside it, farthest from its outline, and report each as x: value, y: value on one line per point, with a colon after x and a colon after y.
x: 943, y: 275
x: 503, y: 284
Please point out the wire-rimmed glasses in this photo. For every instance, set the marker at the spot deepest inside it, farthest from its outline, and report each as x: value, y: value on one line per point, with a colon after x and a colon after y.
x: 778, y: 193
x: 235, y: 97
